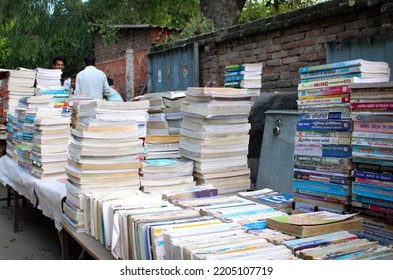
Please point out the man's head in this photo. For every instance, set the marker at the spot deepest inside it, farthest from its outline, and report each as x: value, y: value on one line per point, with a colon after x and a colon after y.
x: 89, y: 60
x: 59, y: 62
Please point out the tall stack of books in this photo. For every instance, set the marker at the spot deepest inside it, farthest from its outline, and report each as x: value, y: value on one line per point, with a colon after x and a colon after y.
x: 20, y: 84
x: 172, y: 101
x: 372, y: 140
x: 214, y: 135
x: 159, y: 175
x: 247, y: 75
x: 50, y: 142
x: 103, y: 155
x: 323, y: 148
x: 48, y: 78
x: 4, y: 75
x: 162, y: 146
x: 22, y: 127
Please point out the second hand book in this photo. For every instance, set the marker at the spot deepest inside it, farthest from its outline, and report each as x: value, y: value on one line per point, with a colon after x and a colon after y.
x: 315, y: 223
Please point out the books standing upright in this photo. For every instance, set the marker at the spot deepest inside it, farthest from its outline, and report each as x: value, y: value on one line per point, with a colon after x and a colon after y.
x: 214, y: 135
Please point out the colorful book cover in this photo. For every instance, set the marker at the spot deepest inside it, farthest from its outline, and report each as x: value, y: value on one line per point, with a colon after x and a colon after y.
x: 342, y: 64
x: 325, y: 91
x: 324, y: 125
x: 374, y: 191
x: 379, y: 127
x: 331, y: 72
x: 322, y: 187
x: 324, y: 116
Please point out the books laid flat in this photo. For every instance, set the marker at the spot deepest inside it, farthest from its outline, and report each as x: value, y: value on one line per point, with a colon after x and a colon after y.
x: 315, y: 223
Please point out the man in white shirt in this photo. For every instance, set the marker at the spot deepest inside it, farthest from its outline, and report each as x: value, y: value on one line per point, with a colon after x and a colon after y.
x: 91, y: 81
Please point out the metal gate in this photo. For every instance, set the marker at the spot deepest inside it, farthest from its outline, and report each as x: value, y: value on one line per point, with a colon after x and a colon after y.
x: 370, y: 48
x: 173, y: 69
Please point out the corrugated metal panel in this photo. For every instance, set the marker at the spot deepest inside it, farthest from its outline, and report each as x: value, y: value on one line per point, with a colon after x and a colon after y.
x: 370, y: 48
x: 276, y: 165
x: 173, y: 69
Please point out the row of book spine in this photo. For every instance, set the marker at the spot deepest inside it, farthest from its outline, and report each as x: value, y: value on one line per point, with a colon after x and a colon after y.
x: 343, y: 147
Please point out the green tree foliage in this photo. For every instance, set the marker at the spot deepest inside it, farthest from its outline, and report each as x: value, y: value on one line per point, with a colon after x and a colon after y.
x: 35, y: 31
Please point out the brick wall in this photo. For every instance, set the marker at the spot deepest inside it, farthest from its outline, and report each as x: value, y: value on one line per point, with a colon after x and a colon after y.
x: 111, y: 58
x: 286, y: 42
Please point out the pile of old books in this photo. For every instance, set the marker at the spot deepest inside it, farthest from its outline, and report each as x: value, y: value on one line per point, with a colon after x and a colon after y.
x: 50, y: 142
x: 172, y: 103
x: 21, y: 129
x: 165, y: 174
x: 247, y: 75
x: 372, y: 140
x: 103, y: 156
x: 214, y: 135
x: 157, y: 123
x: 340, y: 245
x: 20, y: 84
x: 323, y: 148
x: 162, y: 146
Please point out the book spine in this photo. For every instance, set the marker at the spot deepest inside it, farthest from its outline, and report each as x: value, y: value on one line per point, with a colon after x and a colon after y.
x: 388, y: 152
x: 366, y: 134
x: 374, y: 182
x: 343, y: 99
x: 363, y: 159
x: 373, y: 207
x: 374, y: 142
x: 376, y: 168
x: 381, y: 105
x: 373, y: 176
x: 322, y: 187
x: 325, y: 83
x: 370, y: 200
x: 372, y: 118
x: 342, y: 64
x: 326, y: 78
x: 378, y: 192
x: 323, y: 195
x: 303, y: 207
x: 325, y: 91
x: 323, y: 140
x: 342, y: 173
x: 342, y: 134
x: 308, y: 150
x: 321, y: 178
x: 321, y: 198
x: 379, y: 127
x: 336, y: 125
x: 331, y: 72
x: 324, y: 116
x: 319, y: 159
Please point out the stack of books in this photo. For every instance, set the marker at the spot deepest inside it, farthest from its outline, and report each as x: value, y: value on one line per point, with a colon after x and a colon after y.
x: 162, y: 146
x: 82, y: 110
x: 159, y: 175
x: 172, y: 101
x: 50, y: 142
x: 48, y: 78
x: 372, y: 140
x: 103, y: 155
x: 124, y: 111
x: 278, y: 200
x: 157, y: 123
x: 214, y: 135
x: 323, y: 148
x: 20, y: 84
x: 21, y: 129
x: 60, y: 96
x: 247, y: 75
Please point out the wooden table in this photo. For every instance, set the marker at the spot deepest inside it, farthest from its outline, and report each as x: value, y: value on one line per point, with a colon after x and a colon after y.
x: 89, y: 245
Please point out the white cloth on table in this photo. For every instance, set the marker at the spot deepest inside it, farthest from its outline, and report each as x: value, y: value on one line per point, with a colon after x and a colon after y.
x: 48, y: 193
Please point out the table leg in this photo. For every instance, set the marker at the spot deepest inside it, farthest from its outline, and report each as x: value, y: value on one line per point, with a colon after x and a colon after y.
x: 64, y: 244
x: 16, y: 210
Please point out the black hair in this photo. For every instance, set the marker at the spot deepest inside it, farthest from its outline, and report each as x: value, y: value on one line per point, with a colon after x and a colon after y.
x: 59, y: 57
x: 89, y: 60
